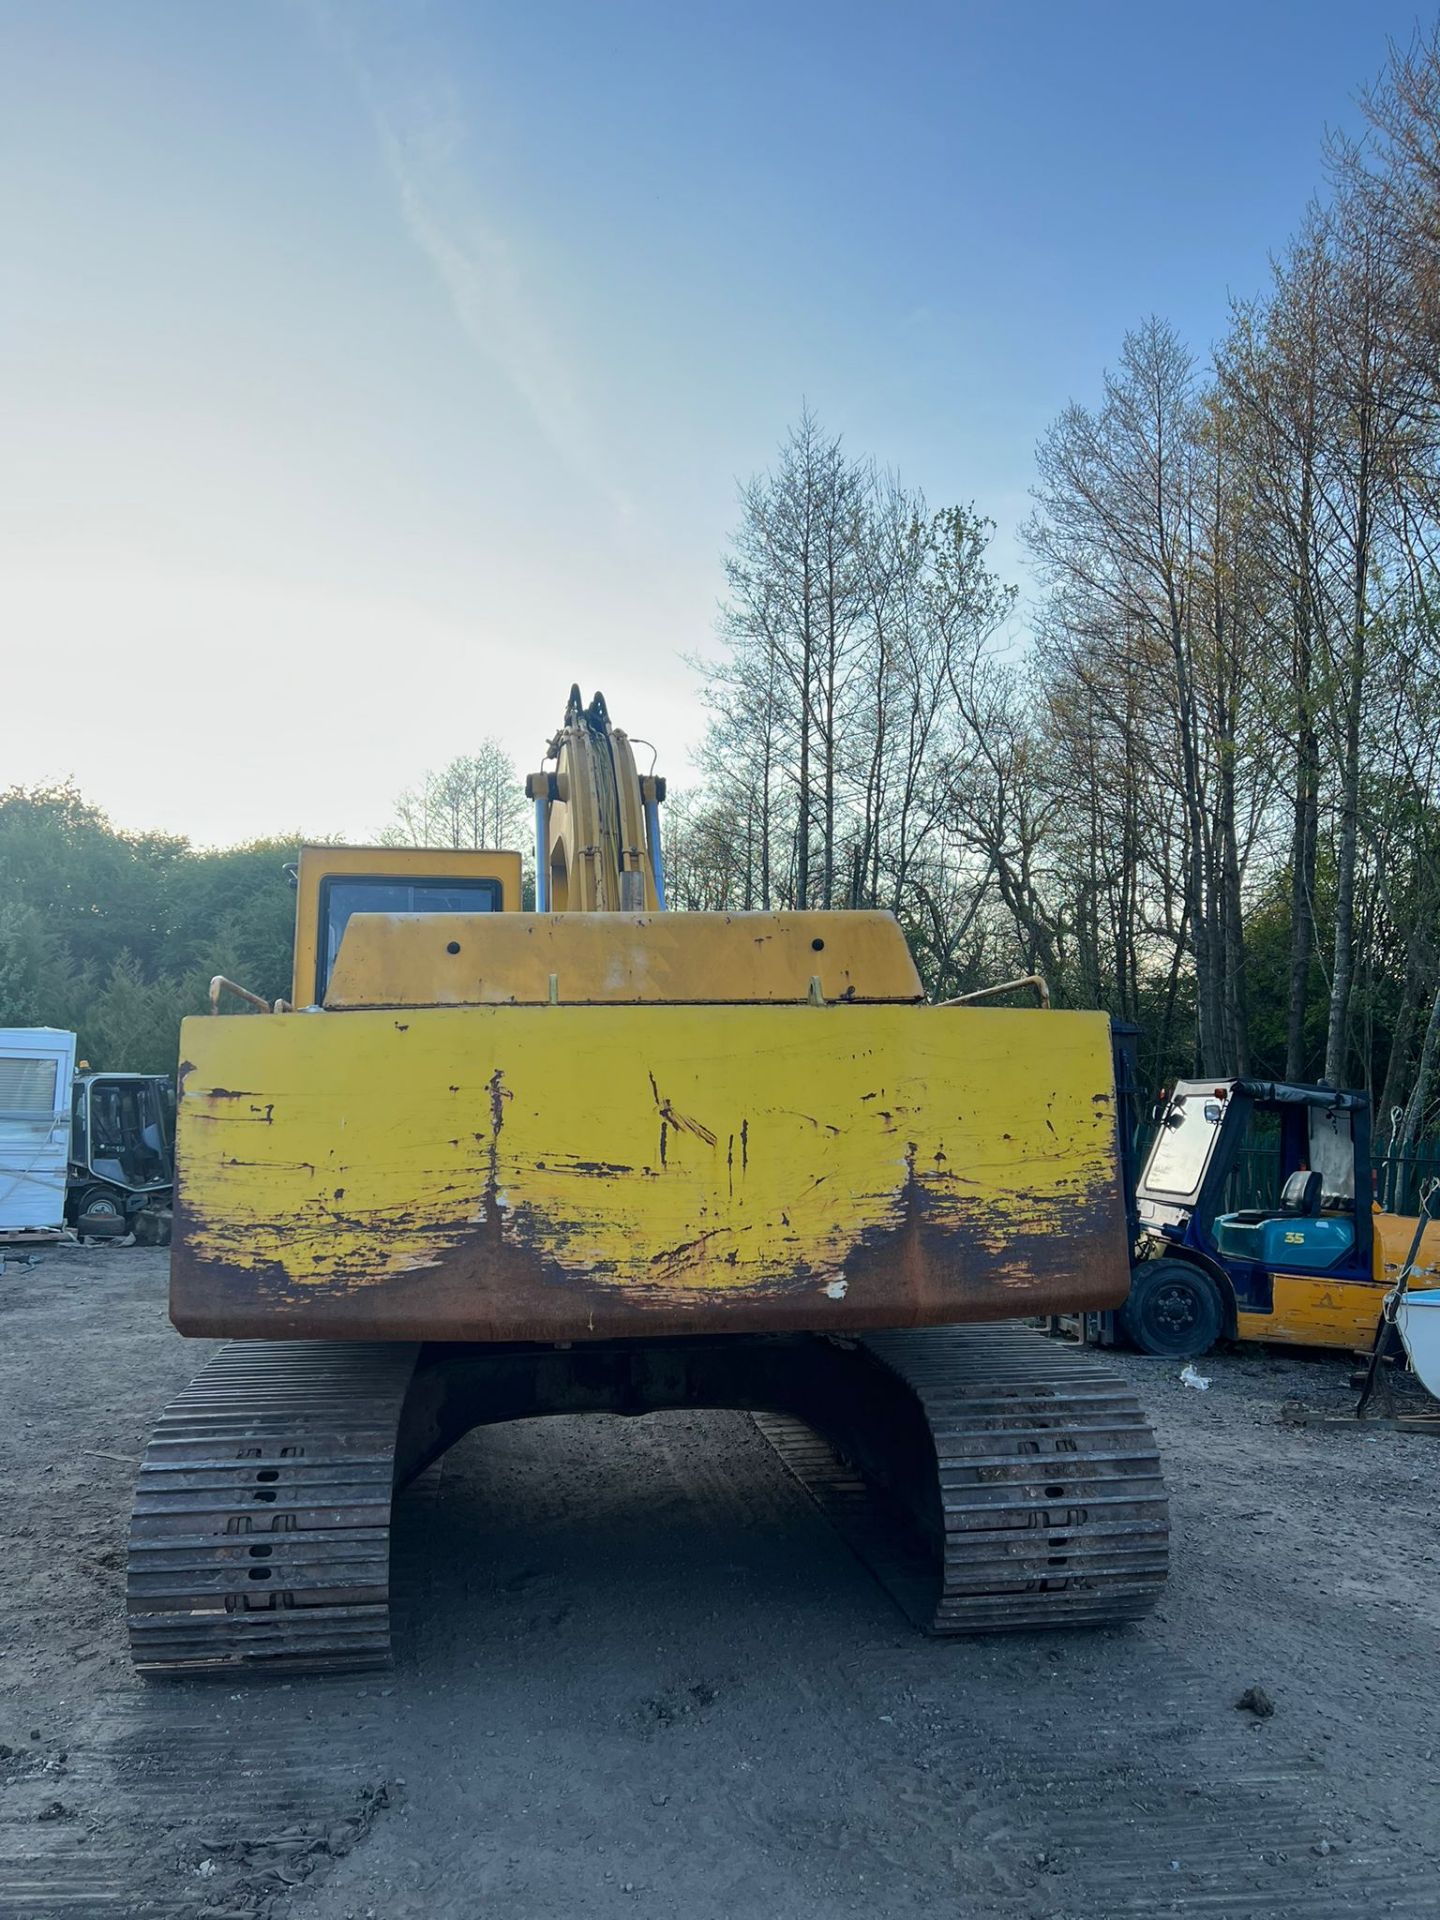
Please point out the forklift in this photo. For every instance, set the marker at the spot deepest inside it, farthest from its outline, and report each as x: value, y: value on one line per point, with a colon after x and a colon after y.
x: 121, y: 1173
x: 1309, y: 1268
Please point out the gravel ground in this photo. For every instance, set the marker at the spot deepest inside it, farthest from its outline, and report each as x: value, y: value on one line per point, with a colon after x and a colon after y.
x: 638, y: 1674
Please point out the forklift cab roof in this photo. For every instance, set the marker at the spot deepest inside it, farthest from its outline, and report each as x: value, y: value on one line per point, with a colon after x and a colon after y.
x: 1282, y: 1093
x: 1199, y: 1112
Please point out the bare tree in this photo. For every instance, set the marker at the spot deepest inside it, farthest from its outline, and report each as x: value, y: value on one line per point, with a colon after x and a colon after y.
x: 834, y: 733
x: 1270, y: 372
x: 1130, y: 522
x: 1207, y: 794
x: 475, y: 801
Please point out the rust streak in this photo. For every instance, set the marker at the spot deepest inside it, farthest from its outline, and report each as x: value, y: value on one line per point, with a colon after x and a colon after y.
x: 671, y: 1256
x: 681, y: 1122
x: 298, y: 1166
x: 490, y: 1200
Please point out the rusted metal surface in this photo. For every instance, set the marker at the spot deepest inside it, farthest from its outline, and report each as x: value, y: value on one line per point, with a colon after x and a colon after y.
x: 494, y: 1288
x: 1026, y: 1476
x: 364, y: 1176
x: 1052, y: 1509
x: 260, y: 1537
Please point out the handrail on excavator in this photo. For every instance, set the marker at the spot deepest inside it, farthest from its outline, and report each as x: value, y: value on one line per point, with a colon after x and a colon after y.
x: 1035, y: 980
x: 220, y: 984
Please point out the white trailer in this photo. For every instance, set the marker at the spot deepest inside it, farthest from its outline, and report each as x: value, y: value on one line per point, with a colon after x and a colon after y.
x: 37, y: 1068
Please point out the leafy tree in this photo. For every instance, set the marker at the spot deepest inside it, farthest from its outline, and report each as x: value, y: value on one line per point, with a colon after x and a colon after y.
x: 116, y: 935
x: 36, y: 982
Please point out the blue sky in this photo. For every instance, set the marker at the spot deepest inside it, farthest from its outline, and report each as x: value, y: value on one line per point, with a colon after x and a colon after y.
x: 369, y: 372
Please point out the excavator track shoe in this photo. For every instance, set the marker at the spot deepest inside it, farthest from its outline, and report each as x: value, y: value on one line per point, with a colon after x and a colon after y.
x: 1033, y: 1489
x: 260, y: 1536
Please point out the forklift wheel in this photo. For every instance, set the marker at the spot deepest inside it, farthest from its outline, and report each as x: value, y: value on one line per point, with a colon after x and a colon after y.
x: 1174, y: 1310
x: 100, y: 1214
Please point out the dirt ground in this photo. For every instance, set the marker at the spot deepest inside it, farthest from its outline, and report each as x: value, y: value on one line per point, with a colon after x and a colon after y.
x: 637, y: 1674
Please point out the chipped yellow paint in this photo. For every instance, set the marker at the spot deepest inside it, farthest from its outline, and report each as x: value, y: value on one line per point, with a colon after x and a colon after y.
x: 445, y: 960
x: 1394, y: 1236
x: 670, y: 1149
x: 1309, y: 1312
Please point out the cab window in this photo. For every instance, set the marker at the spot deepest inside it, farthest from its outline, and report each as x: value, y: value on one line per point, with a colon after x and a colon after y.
x: 1255, y: 1179
x: 1183, y: 1145
x: 342, y: 896
x: 126, y: 1136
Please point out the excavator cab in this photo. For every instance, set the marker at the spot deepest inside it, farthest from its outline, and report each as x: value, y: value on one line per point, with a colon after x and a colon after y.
x: 334, y: 884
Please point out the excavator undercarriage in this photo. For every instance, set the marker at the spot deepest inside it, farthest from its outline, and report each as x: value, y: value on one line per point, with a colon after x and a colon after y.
x: 1016, y: 1480
x: 604, y: 1159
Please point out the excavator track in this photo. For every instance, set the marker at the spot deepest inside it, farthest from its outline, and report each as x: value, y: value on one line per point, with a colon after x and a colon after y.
x: 1035, y: 1499
x: 260, y: 1537
x: 992, y: 1480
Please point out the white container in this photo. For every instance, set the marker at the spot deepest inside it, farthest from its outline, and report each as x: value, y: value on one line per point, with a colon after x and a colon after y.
x: 1418, y: 1317
x: 37, y: 1067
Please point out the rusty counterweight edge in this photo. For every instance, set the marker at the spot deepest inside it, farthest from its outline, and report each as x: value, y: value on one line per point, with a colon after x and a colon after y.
x: 503, y: 1283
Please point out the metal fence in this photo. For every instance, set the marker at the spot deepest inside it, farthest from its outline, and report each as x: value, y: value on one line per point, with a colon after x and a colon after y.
x: 1255, y: 1178
x: 1400, y: 1178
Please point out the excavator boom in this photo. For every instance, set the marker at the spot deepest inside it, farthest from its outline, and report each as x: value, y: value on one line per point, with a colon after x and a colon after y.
x: 597, y: 822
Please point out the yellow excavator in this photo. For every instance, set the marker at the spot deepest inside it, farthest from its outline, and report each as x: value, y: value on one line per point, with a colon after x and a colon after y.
x: 489, y: 1163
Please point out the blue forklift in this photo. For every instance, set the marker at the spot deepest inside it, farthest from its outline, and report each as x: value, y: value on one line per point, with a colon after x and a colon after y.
x: 1309, y: 1266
